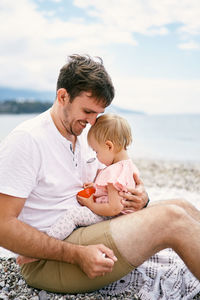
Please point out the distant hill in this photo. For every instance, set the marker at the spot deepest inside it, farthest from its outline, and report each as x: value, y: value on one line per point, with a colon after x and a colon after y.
x: 30, y: 101
x: 25, y: 94
x: 23, y: 107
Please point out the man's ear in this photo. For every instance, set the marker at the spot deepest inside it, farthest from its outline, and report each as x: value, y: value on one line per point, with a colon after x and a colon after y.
x: 110, y: 145
x: 62, y: 96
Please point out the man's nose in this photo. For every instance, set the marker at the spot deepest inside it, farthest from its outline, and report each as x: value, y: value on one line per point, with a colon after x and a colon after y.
x: 92, y: 119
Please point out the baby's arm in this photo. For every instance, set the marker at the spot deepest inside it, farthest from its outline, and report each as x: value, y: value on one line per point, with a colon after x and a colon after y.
x: 112, y: 208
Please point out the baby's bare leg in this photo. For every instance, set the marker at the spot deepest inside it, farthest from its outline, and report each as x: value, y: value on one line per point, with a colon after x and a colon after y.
x: 25, y: 259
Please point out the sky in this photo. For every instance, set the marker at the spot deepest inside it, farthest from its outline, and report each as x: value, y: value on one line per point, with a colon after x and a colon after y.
x: 150, y: 48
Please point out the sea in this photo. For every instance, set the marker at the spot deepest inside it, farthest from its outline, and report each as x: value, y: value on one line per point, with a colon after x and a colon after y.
x: 164, y: 137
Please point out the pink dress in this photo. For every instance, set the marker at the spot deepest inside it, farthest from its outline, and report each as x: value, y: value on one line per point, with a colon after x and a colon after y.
x: 119, y: 174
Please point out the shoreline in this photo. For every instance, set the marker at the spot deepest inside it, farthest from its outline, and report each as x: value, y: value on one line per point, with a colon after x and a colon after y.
x: 163, y: 180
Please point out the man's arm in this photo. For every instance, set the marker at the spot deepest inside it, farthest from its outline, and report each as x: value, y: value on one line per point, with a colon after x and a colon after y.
x: 28, y: 241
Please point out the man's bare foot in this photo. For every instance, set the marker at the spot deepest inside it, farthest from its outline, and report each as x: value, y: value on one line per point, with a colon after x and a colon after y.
x: 25, y: 260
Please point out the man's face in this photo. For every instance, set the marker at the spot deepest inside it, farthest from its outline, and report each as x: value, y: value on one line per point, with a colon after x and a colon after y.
x: 83, y: 110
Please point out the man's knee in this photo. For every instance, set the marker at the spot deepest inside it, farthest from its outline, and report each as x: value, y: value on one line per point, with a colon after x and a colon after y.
x: 175, y: 212
x: 181, y: 202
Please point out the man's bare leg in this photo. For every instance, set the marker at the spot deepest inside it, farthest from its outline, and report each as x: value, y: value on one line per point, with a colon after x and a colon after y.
x: 141, y: 234
x: 187, y: 206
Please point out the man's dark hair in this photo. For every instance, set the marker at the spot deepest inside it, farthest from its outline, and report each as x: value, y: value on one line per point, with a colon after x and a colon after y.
x: 82, y: 73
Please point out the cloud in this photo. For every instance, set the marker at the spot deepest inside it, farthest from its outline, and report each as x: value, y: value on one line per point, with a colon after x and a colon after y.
x: 34, y: 44
x: 29, y: 41
x: 150, y: 17
x: 191, y: 45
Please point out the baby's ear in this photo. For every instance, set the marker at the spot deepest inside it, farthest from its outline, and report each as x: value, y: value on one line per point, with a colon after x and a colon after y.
x: 110, y: 145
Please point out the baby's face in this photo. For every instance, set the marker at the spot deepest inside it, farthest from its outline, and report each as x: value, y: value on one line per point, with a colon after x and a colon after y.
x: 103, y: 151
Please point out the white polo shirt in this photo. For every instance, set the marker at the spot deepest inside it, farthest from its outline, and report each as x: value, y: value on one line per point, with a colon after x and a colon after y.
x: 37, y: 163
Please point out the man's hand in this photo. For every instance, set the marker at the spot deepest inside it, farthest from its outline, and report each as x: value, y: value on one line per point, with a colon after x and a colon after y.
x: 95, y: 260
x: 137, y: 197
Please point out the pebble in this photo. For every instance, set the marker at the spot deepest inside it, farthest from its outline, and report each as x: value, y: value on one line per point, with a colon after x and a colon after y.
x: 43, y: 295
x: 13, y: 286
x: 17, y: 289
x: 171, y: 174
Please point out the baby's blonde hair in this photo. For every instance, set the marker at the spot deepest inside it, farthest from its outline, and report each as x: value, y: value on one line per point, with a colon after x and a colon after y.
x: 113, y: 128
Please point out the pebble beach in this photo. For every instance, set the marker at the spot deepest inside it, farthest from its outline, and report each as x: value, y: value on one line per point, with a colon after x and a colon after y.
x: 162, y: 179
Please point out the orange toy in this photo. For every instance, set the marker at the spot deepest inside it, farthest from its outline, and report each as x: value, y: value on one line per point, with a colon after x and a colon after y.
x: 86, y: 193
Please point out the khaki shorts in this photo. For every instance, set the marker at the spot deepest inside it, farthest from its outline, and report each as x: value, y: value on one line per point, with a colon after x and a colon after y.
x: 62, y: 277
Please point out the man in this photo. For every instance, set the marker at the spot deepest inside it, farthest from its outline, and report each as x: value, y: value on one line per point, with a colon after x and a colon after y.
x: 44, y: 163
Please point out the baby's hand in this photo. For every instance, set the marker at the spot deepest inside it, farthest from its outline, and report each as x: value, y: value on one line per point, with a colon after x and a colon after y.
x: 88, y: 184
x: 86, y: 201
